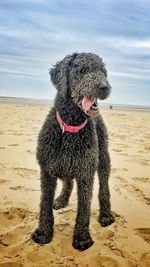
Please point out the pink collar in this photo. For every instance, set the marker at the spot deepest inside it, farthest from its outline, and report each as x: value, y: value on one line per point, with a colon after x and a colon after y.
x: 68, y: 128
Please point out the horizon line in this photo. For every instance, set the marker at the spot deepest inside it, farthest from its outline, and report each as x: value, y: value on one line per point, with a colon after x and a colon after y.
x: 46, y: 100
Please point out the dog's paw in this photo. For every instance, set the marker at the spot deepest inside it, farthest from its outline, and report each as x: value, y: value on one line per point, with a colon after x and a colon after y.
x: 41, y: 237
x: 59, y: 203
x: 106, y: 219
x: 83, y: 241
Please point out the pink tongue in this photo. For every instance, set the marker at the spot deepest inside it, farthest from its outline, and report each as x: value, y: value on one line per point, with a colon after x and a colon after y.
x: 86, y: 103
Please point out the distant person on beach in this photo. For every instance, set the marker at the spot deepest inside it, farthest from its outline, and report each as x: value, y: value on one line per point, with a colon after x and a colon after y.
x: 111, y: 107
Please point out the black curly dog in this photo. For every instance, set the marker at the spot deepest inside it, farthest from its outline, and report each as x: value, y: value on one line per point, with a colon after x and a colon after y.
x: 73, y: 144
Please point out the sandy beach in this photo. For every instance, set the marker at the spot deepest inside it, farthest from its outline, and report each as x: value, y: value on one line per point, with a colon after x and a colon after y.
x: 124, y: 243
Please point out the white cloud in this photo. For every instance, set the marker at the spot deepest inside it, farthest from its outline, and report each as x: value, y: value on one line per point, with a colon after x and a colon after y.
x: 14, y: 33
x: 130, y: 75
x: 37, y: 75
x: 142, y: 44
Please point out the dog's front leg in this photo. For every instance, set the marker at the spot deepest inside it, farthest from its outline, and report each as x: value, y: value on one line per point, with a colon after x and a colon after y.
x: 82, y: 239
x: 105, y: 217
x: 44, y: 233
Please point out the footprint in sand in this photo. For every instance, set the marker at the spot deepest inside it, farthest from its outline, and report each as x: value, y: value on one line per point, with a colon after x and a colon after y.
x: 3, y: 181
x: 120, y: 220
x: 142, y: 179
x: 24, y: 172
x: 31, y: 151
x: 19, y: 187
x: 147, y: 136
x: 2, y: 166
x: 102, y: 234
x: 15, y: 224
x: 13, y: 145
x: 2, y: 147
x: 144, y: 233
x: 113, y: 170
x: 15, y: 133
x: 139, y: 161
x: 117, y: 150
x: 133, y: 189
x: 147, y: 147
x: 13, y: 216
x: 144, y: 162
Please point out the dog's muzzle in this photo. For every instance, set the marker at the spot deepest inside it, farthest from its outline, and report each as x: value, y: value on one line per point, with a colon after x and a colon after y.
x: 89, y: 103
x: 102, y: 91
x: 99, y: 92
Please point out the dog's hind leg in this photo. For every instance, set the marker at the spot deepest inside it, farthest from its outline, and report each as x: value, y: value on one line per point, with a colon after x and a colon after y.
x: 44, y: 233
x: 63, y: 199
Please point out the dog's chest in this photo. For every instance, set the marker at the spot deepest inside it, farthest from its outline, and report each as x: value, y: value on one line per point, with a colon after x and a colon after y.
x: 69, y: 154
x: 77, y: 153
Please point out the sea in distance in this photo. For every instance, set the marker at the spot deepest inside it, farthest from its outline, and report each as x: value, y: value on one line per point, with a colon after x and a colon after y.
x: 7, y: 99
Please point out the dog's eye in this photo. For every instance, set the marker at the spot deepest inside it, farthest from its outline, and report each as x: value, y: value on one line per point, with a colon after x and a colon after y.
x: 80, y: 69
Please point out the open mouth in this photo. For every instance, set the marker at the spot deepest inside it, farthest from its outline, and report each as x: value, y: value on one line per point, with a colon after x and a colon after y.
x: 94, y: 106
x: 89, y: 103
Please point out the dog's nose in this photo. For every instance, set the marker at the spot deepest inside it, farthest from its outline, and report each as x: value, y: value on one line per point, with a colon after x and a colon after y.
x: 102, y: 90
x: 102, y: 87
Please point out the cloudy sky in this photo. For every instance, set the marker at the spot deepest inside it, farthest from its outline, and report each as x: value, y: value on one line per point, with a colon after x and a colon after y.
x: 35, y: 34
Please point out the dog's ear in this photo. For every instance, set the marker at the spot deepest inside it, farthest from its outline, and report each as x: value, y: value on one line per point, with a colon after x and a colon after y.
x: 60, y: 72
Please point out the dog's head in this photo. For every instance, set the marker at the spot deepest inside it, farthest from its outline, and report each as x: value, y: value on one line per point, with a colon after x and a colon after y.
x: 82, y: 77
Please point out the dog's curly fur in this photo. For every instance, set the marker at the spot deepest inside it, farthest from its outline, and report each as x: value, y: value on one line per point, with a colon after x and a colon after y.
x: 78, y: 155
